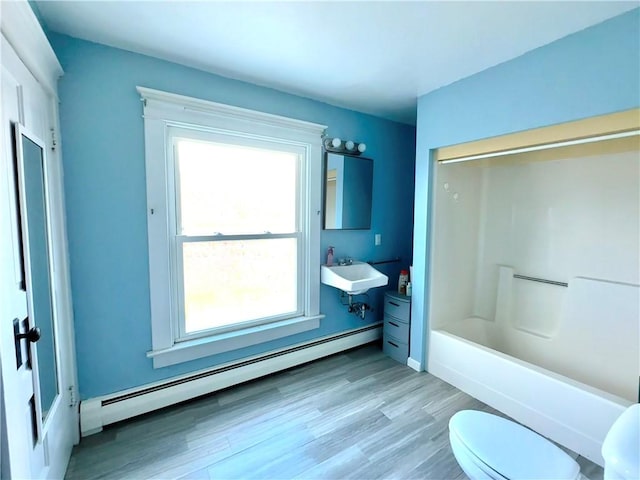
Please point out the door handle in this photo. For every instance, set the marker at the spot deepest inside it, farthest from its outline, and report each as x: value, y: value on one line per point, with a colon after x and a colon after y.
x: 33, y: 335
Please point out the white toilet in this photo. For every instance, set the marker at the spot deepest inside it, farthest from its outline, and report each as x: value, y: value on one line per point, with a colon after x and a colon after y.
x: 490, y: 447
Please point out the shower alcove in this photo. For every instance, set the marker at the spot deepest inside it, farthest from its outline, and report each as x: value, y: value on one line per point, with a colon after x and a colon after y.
x: 535, y: 273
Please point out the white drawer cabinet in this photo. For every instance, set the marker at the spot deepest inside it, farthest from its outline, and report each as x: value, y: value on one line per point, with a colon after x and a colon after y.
x: 397, y: 319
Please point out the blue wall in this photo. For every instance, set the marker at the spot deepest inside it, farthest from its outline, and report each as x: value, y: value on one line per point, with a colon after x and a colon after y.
x: 592, y: 72
x: 103, y: 154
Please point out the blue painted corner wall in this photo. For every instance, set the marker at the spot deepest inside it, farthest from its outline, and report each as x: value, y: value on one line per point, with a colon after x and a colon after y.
x: 592, y: 72
x: 103, y: 155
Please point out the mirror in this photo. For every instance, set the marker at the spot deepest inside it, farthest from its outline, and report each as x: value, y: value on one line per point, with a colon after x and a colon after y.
x: 35, y: 230
x: 348, y: 191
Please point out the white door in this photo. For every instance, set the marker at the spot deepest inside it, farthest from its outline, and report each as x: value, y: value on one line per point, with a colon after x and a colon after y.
x: 38, y: 374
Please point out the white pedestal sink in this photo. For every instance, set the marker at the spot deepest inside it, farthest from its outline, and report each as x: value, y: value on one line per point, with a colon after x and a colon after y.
x: 354, y: 279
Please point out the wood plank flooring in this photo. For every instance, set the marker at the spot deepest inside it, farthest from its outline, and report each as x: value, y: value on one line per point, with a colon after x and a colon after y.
x: 356, y: 415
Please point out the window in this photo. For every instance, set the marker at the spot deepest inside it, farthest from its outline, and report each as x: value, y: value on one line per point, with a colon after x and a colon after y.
x: 233, y: 201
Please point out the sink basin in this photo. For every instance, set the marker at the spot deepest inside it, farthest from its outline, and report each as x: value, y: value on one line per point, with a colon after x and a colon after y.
x: 353, y: 279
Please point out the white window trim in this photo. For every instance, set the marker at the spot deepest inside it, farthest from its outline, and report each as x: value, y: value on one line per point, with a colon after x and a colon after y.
x: 161, y: 110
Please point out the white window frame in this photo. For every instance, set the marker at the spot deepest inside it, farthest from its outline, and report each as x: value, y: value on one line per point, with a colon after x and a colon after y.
x: 163, y: 110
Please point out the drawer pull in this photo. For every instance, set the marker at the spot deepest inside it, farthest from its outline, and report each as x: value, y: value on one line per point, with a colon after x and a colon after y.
x: 394, y: 324
x: 394, y: 304
x: 391, y: 343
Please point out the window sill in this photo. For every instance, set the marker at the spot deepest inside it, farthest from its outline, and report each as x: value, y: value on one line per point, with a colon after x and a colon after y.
x: 225, y: 342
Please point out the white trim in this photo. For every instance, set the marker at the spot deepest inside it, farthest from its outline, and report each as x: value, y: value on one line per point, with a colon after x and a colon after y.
x: 414, y: 364
x: 162, y: 103
x: 94, y: 415
x: 32, y: 69
x: 91, y: 417
x: 164, y: 111
x: 546, y: 146
x: 158, y: 209
x: 225, y: 342
x: 22, y: 30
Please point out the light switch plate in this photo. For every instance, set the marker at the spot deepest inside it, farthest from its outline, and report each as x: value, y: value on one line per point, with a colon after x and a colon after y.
x: 378, y: 238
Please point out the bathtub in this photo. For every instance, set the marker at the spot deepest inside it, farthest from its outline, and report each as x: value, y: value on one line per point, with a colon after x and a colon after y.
x: 570, y: 413
x: 566, y: 365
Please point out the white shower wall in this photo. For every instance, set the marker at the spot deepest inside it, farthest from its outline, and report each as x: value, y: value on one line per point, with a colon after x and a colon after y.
x: 456, y: 226
x: 558, y: 220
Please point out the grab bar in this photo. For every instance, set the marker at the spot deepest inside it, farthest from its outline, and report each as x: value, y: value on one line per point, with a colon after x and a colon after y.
x: 397, y: 259
x: 541, y: 280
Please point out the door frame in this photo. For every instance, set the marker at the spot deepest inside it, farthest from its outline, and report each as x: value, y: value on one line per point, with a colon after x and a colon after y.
x: 27, y: 54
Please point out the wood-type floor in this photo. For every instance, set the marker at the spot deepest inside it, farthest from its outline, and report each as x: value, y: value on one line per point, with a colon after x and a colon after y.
x: 356, y: 415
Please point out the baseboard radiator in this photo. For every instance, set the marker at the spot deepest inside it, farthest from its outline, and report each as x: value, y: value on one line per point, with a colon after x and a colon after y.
x: 97, y: 412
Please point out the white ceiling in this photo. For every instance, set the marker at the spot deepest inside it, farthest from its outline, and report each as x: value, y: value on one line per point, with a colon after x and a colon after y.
x: 370, y: 56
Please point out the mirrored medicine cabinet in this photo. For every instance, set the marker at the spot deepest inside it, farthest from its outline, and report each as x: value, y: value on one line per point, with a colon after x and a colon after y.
x: 348, y: 192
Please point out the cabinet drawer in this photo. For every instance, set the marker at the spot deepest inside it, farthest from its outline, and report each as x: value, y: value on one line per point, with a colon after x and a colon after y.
x: 399, y: 309
x: 395, y: 349
x: 396, y: 329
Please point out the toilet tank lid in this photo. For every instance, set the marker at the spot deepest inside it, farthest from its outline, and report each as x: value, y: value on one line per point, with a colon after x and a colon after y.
x: 511, y: 449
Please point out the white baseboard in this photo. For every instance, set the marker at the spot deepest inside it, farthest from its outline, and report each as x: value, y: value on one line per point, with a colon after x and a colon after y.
x: 415, y: 364
x: 97, y: 412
